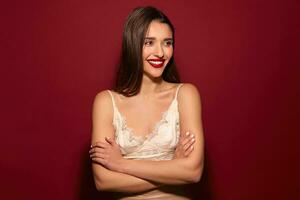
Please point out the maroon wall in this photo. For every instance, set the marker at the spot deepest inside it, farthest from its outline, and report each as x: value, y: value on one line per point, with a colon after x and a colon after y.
x: 242, y: 55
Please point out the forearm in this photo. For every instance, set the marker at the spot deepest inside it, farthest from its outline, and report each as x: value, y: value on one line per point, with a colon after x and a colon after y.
x: 108, y: 180
x: 174, y: 172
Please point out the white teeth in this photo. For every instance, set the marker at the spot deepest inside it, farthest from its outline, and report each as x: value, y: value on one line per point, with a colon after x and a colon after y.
x: 156, y: 62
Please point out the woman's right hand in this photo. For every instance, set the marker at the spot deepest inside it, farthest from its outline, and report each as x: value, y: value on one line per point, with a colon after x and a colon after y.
x: 185, y: 145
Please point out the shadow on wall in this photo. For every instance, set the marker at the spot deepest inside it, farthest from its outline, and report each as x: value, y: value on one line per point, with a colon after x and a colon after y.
x: 202, y: 190
x: 88, y: 190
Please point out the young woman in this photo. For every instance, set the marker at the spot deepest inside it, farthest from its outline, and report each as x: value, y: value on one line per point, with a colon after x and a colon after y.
x: 147, y: 138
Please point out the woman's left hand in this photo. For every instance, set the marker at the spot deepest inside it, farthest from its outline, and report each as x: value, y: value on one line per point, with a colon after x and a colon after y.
x: 107, y: 154
x: 185, y: 145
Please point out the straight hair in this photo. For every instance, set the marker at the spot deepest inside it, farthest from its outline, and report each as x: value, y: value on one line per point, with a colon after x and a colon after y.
x: 130, y: 69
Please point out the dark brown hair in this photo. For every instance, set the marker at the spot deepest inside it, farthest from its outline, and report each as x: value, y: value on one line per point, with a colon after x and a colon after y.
x: 130, y: 69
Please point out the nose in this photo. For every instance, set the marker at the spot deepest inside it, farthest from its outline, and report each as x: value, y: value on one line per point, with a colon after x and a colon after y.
x: 159, y: 51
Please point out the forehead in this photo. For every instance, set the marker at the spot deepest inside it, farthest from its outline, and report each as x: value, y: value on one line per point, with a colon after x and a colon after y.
x: 159, y: 30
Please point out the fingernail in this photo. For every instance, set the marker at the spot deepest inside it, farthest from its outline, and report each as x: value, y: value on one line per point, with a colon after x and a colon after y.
x: 187, y: 133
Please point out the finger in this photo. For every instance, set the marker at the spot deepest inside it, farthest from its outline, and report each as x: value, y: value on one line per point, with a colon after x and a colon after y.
x: 101, y: 145
x: 188, y: 139
x: 184, y: 135
x: 187, y: 133
x: 94, y: 149
x: 99, y: 160
x: 189, y: 150
x: 97, y: 149
x: 95, y: 144
x: 184, y: 138
x: 110, y: 140
x: 98, y: 155
x: 189, y: 144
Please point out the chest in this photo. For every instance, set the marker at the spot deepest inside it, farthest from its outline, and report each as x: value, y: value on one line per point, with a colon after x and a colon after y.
x: 143, y: 120
x: 163, y: 137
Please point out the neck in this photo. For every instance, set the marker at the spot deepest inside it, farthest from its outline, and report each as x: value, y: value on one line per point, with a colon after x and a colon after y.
x: 151, y: 85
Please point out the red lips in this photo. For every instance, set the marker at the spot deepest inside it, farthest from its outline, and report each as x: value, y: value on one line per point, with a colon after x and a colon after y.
x: 157, y: 63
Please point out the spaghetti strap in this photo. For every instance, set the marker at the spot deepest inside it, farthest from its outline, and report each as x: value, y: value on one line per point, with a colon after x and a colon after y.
x: 178, y: 90
x: 112, y: 98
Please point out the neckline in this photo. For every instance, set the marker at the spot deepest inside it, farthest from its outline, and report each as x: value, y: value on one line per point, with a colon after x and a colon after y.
x: 154, y: 129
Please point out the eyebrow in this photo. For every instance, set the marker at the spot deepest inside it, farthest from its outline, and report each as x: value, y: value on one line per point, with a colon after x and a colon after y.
x: 153, y: 38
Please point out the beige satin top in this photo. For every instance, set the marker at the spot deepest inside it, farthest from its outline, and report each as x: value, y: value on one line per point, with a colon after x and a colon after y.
x: 160, y: 144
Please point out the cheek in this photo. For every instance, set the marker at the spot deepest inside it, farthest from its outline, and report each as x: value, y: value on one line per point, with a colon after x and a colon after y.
x: 169, y: 52
x: 146, y: 53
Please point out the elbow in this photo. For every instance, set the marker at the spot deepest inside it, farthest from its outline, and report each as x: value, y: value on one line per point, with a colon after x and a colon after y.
x: 101, y: 179
x: 196, y: 174
x: 194, y: 177
x: 101, y: 186
x: 197, y: 177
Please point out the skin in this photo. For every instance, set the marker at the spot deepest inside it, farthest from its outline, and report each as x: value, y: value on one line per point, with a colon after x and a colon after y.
x: 158, y: 44
x: 137, y: 175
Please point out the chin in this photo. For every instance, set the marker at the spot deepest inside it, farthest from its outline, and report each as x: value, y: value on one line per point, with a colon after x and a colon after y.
x: 153, y: 75
x: 154, y: 72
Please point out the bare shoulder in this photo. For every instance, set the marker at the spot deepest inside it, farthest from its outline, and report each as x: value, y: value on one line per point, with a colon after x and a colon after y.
x: 102, y: 102
x: 102, y: 116
x: 102, y: 96
x: 188, y: 92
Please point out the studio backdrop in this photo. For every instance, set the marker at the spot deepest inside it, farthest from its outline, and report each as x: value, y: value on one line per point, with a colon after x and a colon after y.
x: 243, y: 55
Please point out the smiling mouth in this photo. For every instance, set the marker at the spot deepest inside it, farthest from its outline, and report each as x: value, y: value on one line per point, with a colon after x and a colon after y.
x: 157, y: 63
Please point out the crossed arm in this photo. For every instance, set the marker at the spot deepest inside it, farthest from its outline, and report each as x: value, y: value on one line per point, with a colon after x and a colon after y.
x: 142, y: 175
x: 104, y: 178
x: 108, y: 180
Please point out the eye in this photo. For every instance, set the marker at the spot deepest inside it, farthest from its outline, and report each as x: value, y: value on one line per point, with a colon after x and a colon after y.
x: 169, y: 43
x: 148, y: 42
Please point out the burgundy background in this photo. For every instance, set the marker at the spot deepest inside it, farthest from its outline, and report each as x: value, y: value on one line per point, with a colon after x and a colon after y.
x: 243, y: 56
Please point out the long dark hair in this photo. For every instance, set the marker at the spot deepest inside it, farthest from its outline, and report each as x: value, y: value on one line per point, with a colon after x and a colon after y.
x: 130, y: 71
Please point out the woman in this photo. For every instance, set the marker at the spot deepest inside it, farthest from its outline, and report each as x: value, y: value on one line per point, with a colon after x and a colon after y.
x: 140, y: 148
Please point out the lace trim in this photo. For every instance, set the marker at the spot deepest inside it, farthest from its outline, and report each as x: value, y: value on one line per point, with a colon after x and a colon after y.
x: 154, y: 154
x: 149, y: 135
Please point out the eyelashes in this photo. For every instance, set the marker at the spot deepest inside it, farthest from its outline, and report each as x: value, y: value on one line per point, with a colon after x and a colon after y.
x: 148, y: 43
x: 166, y: 43
x: 169, y: 43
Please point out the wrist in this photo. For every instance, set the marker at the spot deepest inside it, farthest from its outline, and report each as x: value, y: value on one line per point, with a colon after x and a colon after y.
x: 122, y: 165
